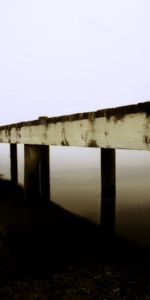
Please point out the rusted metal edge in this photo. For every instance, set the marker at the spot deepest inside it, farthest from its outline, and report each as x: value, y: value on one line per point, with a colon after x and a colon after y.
x: 118, y: 112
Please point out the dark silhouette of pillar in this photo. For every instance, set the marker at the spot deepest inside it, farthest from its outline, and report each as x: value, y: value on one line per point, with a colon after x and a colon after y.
x: 36, y: 173
x: 13, y: 164
x: 44, y: 173
x: 36, y: 184
x: 108, y: 191
x: 31, y: 173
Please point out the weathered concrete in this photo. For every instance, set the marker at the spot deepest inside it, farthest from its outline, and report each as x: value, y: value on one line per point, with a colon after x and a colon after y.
x: 126, y: 127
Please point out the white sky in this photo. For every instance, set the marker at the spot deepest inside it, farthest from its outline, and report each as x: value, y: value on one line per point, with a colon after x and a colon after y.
x: 65, y: 56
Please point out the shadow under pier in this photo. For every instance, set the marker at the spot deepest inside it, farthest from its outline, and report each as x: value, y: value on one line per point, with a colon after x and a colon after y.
x: 38, y: 233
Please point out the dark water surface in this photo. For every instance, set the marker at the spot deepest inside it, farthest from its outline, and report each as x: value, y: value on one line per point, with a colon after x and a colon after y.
x: 75, y: 185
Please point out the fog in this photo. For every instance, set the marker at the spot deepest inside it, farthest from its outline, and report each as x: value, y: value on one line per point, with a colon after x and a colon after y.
x: 60, y: 57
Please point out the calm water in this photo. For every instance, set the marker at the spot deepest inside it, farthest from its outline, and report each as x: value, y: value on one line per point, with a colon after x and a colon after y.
x: 75, y: 184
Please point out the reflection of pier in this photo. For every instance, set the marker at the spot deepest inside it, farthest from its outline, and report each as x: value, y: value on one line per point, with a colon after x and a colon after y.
x: 126, y: 127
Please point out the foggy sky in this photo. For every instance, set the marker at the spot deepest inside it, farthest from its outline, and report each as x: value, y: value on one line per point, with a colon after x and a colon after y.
x: 60, y: 57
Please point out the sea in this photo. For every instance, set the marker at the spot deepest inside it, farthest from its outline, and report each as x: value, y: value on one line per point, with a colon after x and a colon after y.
x: 75, y: 184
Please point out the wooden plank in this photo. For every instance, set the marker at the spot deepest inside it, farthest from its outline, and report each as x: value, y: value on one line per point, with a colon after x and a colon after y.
x: 122, y: 128
x: 13, y: 164
x: 108, y: 191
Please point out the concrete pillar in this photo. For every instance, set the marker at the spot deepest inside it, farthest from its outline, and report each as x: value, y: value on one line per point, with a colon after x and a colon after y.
x: 13, y: 164
x: 44, y: 173
x: 36, y: 183
x: 31, y: 173
x: 36, y: 173
x: 108, y: 191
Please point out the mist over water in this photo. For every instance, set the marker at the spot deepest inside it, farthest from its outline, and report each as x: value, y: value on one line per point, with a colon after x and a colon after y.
x: 75, y: 184
x: 133, y: 195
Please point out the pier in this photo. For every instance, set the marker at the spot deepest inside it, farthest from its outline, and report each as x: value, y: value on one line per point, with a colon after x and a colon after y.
x: 126, y: 127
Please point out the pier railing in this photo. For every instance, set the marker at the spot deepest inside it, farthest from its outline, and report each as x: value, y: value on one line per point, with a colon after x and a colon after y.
x: 126, y: 127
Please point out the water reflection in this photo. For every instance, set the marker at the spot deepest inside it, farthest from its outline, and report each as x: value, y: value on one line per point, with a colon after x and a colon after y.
x: 133, y: 190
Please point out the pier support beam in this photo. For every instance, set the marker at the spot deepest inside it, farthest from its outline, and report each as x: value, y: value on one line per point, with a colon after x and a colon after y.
x: 31, y: 173
x: 44, y: 174
x: 108, y: 191
x: 36, y: 183
x: 36, y: 173
x: 13, y: 164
